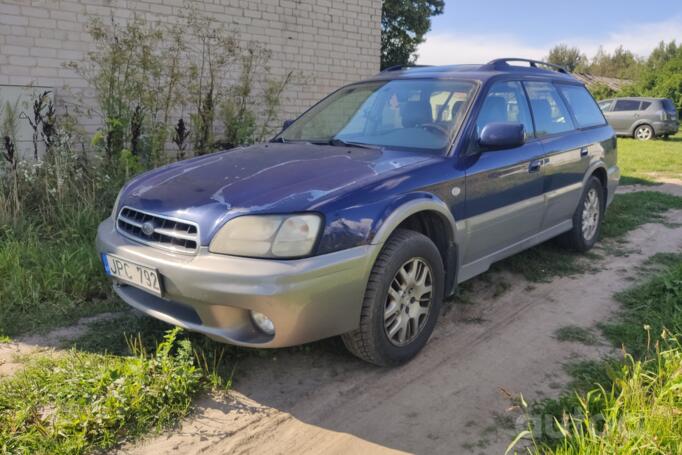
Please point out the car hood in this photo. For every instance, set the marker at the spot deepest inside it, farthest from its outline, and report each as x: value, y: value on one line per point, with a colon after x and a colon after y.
x: 266, y: 178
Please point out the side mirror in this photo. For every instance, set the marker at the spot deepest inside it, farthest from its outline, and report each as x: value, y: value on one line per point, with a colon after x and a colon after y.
x: 287, y: 124
x: 498, y: 136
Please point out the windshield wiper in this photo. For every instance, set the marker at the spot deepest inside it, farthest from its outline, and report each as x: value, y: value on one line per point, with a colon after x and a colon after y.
x: 336, y: 142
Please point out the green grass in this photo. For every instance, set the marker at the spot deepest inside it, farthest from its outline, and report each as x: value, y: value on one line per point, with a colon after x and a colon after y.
x: 656, y: 303
x: 576, y: 334
x: 544, y: 262
x: 644, y: 161
x: 631, y: 210
x: 51, y: 273
x: 640, y: 412
x: 82, y: 402
x: 635, y: 390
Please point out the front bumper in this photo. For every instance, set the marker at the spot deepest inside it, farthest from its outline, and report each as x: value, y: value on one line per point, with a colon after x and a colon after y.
x: 307, y: 299
x: 613, y: 179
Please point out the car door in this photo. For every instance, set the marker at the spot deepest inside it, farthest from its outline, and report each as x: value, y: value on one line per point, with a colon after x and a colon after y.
x: 622, y: 115
x: 504, y: 203
x: 564, y: 115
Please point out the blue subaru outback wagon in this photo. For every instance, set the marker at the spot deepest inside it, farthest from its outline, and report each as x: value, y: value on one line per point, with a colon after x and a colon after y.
x: 363, y: 214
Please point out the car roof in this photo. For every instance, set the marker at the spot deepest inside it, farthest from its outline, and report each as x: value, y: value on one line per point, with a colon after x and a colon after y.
x: 479, y: 72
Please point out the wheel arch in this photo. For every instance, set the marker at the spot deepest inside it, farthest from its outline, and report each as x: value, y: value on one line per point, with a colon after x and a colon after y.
x: 432, y: 217
x: 596, y: 169
x: 642, y: 122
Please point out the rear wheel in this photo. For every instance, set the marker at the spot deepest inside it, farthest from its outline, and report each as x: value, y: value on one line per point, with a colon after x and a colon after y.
x: 587, y: 218
x: 644, y: 132
x: 402, y: 301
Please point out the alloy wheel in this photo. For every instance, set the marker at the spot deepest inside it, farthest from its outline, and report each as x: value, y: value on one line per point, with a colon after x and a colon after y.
x: 408, y: 302
x: 644, y: 133
x: 591, y: 213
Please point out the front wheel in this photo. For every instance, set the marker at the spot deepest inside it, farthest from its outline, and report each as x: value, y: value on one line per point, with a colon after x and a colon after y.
x: 402, y: 301
x: 587, y: 218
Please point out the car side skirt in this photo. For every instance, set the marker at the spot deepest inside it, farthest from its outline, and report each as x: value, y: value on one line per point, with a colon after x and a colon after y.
x: 468, y: 271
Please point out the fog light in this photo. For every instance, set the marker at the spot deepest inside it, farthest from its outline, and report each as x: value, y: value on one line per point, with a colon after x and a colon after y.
x: 263, y: 322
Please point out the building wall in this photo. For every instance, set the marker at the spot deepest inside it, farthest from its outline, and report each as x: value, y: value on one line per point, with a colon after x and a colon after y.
x: 331, y: 42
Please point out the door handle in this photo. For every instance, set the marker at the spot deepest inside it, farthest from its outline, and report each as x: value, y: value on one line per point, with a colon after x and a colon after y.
x: 535, y: 165
x: 584, y: 151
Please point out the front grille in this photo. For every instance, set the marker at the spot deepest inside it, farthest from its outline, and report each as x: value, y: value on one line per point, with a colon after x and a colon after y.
x: 165, y: 233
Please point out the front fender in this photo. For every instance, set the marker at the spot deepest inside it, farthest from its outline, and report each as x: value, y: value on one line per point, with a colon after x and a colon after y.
x: 408, y: 205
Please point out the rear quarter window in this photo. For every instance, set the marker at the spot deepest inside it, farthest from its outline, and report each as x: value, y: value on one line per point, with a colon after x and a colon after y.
x: 605, y: 105
x: 645, y: 105
x: 585, y: 109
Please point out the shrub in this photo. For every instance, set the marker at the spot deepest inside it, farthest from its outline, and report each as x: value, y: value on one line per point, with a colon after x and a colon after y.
x: 146, y: 74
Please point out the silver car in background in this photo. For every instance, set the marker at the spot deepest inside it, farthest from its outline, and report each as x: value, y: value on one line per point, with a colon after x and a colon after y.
x: 641, y: 118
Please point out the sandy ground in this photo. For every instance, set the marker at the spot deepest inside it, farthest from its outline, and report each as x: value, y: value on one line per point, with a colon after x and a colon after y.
x: 668, y: 185
x: 453, y: 398
x: 12, y: 353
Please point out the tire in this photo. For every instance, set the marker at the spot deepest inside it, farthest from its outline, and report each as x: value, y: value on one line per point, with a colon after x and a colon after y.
x: 415, y: 314
x: 644, y: 133
x: 586, y: 229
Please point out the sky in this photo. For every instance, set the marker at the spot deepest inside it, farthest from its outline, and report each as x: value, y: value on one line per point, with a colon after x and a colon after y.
x: 478, y: 31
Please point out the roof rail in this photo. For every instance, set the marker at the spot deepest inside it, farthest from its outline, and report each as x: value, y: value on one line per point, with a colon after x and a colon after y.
x: 402, y: 67
x: 503, y: 63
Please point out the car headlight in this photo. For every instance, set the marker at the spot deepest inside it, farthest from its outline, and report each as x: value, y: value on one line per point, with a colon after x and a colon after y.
x: 267, y: 236
x: 114, y: 210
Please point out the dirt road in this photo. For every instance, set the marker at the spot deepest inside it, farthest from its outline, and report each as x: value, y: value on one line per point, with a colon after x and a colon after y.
x: 448, y: 400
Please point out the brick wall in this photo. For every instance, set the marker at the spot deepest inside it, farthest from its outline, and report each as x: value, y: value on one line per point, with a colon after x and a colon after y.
x: 332, y: 42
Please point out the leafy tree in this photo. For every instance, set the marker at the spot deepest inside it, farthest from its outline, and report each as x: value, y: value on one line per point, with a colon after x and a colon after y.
x: 601, y: 91
x: 662, y: 54
x: 403, y: 26
x: 568, y: 57
x: 662, y: 76
x: 622, y: 64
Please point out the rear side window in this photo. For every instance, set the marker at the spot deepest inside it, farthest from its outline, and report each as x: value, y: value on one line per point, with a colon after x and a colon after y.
x: 506, y: 103
x: 585, y: 110
x: 549, y: 111
x: 626, y: 105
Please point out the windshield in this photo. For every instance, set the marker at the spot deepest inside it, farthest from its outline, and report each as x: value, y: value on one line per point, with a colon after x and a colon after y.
x: 418, y: 115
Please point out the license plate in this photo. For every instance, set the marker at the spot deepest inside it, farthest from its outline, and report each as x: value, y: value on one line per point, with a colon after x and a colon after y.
x: 131, y: 273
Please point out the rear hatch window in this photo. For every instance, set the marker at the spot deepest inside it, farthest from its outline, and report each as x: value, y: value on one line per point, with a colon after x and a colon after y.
x: 669, y: 106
